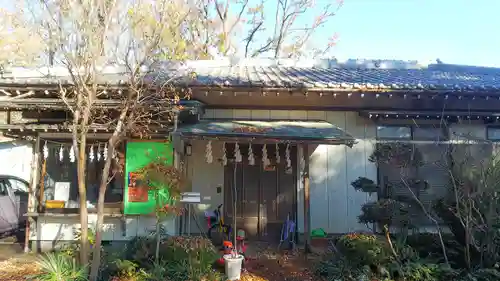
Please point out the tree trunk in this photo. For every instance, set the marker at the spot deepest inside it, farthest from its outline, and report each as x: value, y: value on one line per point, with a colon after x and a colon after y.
x: 82, y: 191
x: 157, y: 251
x: 96, y: 254
x: 113, y: 141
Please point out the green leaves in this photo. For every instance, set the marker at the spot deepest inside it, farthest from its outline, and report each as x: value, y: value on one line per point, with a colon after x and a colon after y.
x: 59, y: 267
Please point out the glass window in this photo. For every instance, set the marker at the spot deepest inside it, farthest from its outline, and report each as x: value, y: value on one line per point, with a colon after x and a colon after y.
x: 494, y: 134
x: 393, y: 132
x: 428, y: 133
x: 4, y: 188
x: 18, y: 186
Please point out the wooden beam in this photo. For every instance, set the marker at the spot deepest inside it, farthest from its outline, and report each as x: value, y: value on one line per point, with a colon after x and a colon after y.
x: 69, y: 136
x: 31, y: 223
x: 307, y: 203
x: 267, y: 140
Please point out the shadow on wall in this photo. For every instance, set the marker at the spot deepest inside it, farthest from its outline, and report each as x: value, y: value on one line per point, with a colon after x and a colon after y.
x: 335, y: 159
x: 335, y: 205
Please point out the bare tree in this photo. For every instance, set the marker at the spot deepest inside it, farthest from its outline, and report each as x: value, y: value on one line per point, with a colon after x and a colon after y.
x: 274, y: 29
x: 91, y: 37
x: 14, y: 33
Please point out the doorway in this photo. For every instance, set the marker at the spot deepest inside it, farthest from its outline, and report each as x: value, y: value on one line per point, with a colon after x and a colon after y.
x: 265, y: 196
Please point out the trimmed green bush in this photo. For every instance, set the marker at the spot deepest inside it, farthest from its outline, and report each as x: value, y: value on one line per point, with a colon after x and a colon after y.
x: 364, y: 249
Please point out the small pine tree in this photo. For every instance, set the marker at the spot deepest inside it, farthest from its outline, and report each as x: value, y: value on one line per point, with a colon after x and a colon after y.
x: 388, y: 210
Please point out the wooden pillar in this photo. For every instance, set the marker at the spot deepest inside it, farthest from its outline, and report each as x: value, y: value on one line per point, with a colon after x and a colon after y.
x: 307, y: 205
x: 30, y: 223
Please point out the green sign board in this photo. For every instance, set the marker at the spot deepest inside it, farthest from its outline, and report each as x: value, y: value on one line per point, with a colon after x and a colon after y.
x: 138, y: 200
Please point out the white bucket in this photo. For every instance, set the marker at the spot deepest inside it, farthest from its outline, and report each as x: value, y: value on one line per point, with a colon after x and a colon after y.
x: 233, y: 266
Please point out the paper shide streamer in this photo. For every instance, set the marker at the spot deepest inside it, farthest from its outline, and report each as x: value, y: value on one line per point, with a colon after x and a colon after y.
x: 208, y: 152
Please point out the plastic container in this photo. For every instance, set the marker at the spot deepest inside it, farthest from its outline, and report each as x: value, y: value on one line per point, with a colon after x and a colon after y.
x: 233, y: 266
x: 54, y: 204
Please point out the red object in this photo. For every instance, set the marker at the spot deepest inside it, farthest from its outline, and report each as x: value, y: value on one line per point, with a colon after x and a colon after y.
x: 137, y: 194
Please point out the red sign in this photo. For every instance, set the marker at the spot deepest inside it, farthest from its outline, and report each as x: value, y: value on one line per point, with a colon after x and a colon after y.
x: 138, y: 194
x: 137, y: 191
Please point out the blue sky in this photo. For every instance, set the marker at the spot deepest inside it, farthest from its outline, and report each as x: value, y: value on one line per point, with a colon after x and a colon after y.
x: 455, y: 31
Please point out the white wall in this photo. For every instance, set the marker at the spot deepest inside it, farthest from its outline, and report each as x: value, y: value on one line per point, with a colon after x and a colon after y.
x: 335, y: 204
x: 62, y: 228
x: 16, y: 158
x: 204, y: 178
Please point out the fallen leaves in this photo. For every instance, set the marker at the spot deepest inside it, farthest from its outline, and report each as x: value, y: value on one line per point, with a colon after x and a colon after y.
x: 17, y: 270
x: 271, y: 265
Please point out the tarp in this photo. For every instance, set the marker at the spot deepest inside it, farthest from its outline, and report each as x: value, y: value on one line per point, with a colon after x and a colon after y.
x: 317, y: 131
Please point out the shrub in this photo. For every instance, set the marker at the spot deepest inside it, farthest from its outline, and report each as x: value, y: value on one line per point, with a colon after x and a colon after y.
x: 181, y: 258
x: 141, y: 249
x: 428, y: 245
x: 386, y: 212
x: 190, y: 258
x: 364, y: 249
x: 487, y: 274
x: 59, y: 267
x: 339, y: 268
x: 421, y: 271
x: 129, y: 270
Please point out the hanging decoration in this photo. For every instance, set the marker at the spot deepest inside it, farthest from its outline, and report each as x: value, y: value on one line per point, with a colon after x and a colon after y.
x: 287, y: 156
x: 91, y: 154
x: 72, y: 154
x: 61, y: 153
x: 99, y: 153
x: 265, y: 159
x: 105, y: 152
x: 278, y: 159
x: 208, y: 152
x: 251, y: 158
x: 95, y: 153
x: 237, y: 153
x: 45, y: 151
x: 224, y: 156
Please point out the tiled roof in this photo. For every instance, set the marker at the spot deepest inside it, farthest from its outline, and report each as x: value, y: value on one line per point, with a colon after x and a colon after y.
x: 369, y: 75
x: 434, y: 77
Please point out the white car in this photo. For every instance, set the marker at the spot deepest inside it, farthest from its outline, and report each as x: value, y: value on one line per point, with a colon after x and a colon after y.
x: 13, y: 203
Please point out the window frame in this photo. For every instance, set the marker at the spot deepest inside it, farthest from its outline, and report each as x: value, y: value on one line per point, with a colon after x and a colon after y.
x: 394, y: 138
x: 488, y: 129
x: 445, y: 136
x: 15, y: 189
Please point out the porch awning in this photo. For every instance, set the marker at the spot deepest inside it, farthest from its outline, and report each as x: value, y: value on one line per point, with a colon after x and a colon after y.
x: 268, y: 130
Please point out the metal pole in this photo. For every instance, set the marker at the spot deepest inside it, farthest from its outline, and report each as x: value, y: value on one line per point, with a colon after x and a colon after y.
x: 234, y: 205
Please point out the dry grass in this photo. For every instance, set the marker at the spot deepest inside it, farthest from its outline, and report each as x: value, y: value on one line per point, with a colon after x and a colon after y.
x: 17, y: 269
x: 267, y: 264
